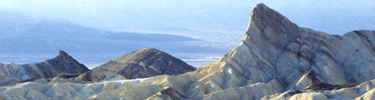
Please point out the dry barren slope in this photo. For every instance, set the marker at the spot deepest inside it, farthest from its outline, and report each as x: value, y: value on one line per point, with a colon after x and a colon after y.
x: 275, y: 56
x: 63, y: 63
x: 146, y: 62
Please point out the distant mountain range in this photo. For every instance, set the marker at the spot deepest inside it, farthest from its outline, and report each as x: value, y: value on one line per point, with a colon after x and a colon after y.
x: 28, y: 35
x: 276, y: 60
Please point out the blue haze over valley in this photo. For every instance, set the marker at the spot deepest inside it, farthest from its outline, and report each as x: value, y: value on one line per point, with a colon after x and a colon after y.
x: 198, y: 32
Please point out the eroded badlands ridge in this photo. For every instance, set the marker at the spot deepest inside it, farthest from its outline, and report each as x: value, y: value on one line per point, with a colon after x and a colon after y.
x: 276, y: 60
x: 145, y: 63
x: 63, y: 63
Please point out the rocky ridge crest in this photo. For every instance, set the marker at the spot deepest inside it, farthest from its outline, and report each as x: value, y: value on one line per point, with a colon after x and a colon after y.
x: 146, y: 62
x: 63, y: 63
x: 276, y: 60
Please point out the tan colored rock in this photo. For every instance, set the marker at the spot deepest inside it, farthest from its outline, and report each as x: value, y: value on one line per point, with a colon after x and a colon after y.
x: 168, y: 93
x: 370, y: 95
x: 254, y: 91
x: 304, y: 81
x: 276, y: 60
x: 309, y: 96
x: 363, y: 91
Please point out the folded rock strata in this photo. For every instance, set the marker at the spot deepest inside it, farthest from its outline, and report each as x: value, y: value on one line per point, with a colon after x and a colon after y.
x: 276, y: 60
x: 358, y: 91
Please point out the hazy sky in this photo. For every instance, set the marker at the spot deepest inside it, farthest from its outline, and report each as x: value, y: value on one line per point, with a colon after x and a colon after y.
x: 332, y: 16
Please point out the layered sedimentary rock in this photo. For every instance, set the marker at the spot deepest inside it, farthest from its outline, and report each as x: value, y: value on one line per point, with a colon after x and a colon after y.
x: 146, y: 62
x: 276, y: 60
x: 63, y: 63
x: 358, y: 91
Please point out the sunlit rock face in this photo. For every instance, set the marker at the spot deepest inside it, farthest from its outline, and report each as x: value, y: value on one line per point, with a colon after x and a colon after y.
x: 146, y: 62
x: 63, y: 63
x: 324, y: 91
x: 276, y: 60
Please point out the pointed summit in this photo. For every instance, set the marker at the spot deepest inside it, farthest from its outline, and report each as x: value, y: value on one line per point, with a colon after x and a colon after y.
x: 61, y: 64
x: 63, y: 53
x: 263, y: 17
x: 67, y: 64
x: 267, y: 25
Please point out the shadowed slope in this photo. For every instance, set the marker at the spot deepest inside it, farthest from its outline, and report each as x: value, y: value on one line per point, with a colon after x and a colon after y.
x: 325, y: 86
x: 276, y: 60
x: 63, y: 63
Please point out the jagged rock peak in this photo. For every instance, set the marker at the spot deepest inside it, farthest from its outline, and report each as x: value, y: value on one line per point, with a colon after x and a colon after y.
x: 269, y: 16
x: 67, y: 64
x: 275, y: 54
x: 267, y: 24
x: 63, y: 53
x: 147, y: 62
x: 63, y: 64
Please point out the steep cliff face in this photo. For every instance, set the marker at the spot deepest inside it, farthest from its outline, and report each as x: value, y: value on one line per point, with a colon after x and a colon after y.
x: 277, y: 51
x: 276, y: 60
x: 146, y: 62
x: 63, y: 63
x: 67, y: 64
